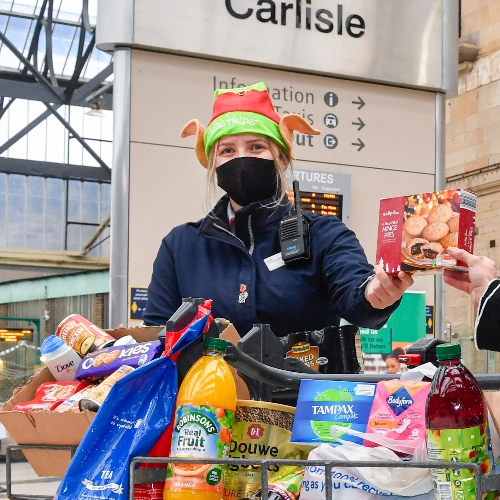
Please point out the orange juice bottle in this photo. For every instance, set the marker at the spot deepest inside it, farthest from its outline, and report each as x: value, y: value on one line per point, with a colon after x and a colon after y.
x: 203, y: 420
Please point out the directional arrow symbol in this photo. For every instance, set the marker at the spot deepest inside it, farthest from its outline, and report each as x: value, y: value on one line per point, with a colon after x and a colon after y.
x: 360, y: 123
x: 359, y: 143
x: 360, y: 102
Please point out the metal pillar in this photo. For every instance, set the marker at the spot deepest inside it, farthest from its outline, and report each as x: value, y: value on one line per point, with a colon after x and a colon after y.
x: 440, y: 184
x: 120, y: 180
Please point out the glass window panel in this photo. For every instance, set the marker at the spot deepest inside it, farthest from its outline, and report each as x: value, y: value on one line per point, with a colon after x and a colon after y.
x: 86, y: 233
x: 3, y: 209
x: 105, y: 199
x: 76, y: 118
x: 3, y: 19
x: 56, y: 138
x: 17, y: 31
x: 37, y: 138
x: 62, y: 38
x: 107, y: 153
x: 70, y: 10
x: 16, y: 217
x: 74, y: 237
x: 104, y: 246
x: 88, y: 159
x: 75, y: 152
x: 28, y: 40
x: 34, y: 209
x: 57, y: 6
x: 107, y: 125
x: 91, y: 126
x: 18, y: 116
x: 92, y: 11
x: 26, y: 6
x: 18, y: 119
x: 6, y: 4
x: 69, y: 66
x: 41, y: 49
x: 74, y: 201
x: 90, y: 202
x: 4, y: 130
x: 54, y: 220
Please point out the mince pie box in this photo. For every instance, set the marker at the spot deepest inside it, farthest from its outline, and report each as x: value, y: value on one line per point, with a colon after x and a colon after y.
x: 415, y: 232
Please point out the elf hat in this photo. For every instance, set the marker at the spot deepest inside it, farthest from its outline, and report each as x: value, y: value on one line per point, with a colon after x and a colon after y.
x: 243, y: 110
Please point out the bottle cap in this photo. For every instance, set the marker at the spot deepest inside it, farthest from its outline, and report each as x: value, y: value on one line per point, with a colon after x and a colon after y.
x: 445, y: 352
x: 127, y: 340
x: 215, y: 344
x: 51, y: 344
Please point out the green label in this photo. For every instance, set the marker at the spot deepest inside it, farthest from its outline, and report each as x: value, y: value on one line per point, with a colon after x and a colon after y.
x: 197, y: 418
x: 457, y: 445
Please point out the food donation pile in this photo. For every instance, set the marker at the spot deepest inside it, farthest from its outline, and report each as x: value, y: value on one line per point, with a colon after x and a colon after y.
x: 394, y: 420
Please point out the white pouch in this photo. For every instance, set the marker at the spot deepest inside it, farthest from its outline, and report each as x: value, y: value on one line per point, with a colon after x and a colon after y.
x: 363, y: 483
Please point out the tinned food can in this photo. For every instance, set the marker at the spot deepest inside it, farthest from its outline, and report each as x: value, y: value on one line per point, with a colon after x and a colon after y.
x: 261, y: 431
x: 95, y: 398
x: 82, y: 335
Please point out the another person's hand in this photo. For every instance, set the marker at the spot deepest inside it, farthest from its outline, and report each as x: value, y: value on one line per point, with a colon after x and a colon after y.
x: 384, y: 290
x: 481, y: 271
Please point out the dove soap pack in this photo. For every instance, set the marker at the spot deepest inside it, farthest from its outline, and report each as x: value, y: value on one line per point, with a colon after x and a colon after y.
x: 398, y: 411
x: 327, y: 410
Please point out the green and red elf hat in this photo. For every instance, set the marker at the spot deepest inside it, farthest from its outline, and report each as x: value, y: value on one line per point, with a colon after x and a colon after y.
x: 245, y: 110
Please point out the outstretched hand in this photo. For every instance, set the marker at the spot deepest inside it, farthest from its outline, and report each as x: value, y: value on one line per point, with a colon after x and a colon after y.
x: 474, y: 281
x: 384, y: 290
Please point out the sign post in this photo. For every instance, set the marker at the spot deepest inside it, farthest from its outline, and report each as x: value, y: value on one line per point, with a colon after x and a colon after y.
x: 370, y: 75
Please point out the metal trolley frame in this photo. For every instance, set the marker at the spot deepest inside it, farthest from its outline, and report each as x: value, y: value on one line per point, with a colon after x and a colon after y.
x: 140, y: 476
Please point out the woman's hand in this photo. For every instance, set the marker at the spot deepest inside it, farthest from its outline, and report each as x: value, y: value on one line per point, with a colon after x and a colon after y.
x: 384, y: 290
x: 481, y: 271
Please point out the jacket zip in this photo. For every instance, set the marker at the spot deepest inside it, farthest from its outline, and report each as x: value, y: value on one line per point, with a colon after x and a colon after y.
x: 252, y: 242
x: 228, y: 232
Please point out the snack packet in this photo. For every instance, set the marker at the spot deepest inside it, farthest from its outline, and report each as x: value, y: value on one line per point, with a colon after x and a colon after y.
x: 283, y: 486
x: 50, y: 395
x: 71, y: 404
x: 107, y: 360
x: 95, y: 398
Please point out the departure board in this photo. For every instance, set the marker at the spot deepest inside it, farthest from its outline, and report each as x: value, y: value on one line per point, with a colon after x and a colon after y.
x: 320, y: 203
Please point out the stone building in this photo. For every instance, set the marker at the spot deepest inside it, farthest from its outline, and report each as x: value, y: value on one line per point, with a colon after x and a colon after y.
x: 473, y: 145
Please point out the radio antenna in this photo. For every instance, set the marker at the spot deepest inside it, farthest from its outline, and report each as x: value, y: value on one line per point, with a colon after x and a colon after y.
x: 296, y: 195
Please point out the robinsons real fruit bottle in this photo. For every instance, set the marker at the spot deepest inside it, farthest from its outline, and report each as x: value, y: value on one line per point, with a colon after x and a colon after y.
x: 457, y: 420
x: 203, y: 420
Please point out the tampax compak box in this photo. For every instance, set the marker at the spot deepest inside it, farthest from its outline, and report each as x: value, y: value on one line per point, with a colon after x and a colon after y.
x: 415, y: 232
x: 326, y: 407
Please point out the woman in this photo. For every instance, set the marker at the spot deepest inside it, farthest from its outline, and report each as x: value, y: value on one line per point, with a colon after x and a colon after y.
x: 232, y: 255
x: 392, y: 361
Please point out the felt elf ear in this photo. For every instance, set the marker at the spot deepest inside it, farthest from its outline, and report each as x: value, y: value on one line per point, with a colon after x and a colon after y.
x: 288, y: 124
x: 194, y: 127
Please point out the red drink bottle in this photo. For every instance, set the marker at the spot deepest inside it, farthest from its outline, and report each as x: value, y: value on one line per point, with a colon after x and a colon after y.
x: 457, y: 421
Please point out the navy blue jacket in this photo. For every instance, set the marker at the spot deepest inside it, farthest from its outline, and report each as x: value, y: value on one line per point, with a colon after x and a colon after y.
x: 205, y: 259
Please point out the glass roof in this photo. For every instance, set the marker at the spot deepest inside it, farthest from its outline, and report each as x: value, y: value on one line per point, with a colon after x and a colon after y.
x: 18, y: 22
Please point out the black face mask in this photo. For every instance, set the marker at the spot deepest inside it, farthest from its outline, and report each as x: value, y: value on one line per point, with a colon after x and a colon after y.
x: 248, y: 179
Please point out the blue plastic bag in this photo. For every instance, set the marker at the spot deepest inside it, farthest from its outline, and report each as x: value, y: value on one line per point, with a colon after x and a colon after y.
x: 135, y: 413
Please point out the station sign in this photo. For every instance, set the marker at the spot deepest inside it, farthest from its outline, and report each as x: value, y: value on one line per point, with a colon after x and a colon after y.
x: 395, y: 41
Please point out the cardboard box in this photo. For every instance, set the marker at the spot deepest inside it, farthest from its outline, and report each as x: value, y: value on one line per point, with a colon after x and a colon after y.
x: 415, y: 231
x: 68, y: 429
x: 52, y: 428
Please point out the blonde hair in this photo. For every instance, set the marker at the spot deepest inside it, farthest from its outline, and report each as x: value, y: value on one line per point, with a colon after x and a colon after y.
x: 282, y: 162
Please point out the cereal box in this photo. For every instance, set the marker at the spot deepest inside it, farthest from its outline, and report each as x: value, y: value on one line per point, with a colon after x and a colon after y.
x: 416, y: 231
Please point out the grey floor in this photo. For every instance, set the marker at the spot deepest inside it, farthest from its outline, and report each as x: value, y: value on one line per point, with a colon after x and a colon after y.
x: 25, y: 481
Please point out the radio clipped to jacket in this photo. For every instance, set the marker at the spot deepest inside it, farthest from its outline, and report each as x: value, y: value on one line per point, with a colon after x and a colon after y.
x: 294, y: 234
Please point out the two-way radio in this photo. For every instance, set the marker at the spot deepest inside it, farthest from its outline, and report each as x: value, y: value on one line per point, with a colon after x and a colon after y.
x: 294, y: 232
